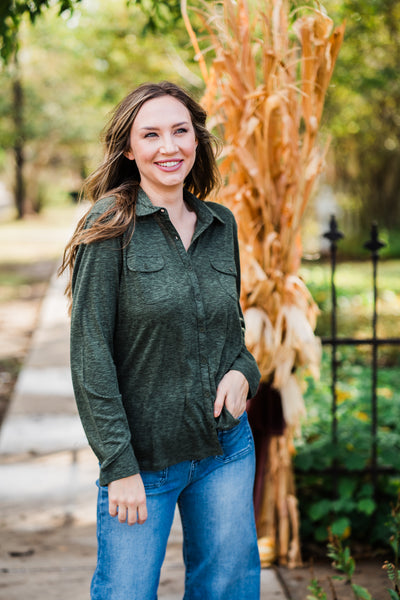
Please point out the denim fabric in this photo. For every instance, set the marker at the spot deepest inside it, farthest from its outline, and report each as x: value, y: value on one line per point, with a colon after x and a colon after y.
x: 214, y: 496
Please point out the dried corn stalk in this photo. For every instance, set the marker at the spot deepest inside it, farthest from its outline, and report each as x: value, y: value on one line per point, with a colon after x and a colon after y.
x: 265, y: 89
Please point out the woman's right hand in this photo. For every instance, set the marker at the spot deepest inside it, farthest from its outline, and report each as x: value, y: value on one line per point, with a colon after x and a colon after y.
x: 127, y: 499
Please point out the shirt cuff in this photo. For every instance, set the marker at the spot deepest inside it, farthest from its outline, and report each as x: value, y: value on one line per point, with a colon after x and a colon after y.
x: 124, y: 465
x: 246, y: 364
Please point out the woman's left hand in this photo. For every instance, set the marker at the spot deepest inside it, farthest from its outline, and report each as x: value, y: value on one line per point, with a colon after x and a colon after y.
x: 232, y: 391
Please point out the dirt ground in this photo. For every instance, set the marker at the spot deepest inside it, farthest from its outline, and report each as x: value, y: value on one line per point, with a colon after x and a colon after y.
x: 369, y: 574
x: 36, y: 555
x: 32, y: 552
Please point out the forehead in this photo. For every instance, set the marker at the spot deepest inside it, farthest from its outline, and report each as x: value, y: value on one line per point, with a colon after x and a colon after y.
x: 162, y: 111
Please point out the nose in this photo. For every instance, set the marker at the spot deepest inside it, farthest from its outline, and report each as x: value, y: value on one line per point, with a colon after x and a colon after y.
x: 168, y: 145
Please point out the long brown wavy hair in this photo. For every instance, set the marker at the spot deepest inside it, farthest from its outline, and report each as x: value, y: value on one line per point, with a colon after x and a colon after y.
x: 119, y: 177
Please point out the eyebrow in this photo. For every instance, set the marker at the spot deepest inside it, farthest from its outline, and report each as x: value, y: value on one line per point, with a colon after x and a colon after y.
x: 149, y: 128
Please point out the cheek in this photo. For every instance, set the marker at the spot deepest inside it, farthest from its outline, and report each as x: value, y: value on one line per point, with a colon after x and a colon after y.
x: 190, y: 150
x: 142, y: 154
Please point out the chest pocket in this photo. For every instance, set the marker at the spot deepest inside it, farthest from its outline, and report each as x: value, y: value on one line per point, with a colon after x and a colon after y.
x: 225, y: 271
x: 149, y: 277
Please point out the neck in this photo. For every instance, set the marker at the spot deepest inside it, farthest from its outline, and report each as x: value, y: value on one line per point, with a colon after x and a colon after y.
x: 170, y: 198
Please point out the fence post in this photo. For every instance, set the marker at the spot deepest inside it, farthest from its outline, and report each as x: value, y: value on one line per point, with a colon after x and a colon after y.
x: 374, y: 245
x: 333, y: 235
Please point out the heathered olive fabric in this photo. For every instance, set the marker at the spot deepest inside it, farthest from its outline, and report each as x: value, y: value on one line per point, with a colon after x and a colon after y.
x: 154, y: 329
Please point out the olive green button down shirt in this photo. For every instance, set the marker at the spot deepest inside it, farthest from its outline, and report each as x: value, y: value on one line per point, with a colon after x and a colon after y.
x: 154, y: 329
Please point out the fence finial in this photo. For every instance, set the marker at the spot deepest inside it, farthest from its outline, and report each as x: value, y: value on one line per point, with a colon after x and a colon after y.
x: 333, y: 235
x: 374, y: 244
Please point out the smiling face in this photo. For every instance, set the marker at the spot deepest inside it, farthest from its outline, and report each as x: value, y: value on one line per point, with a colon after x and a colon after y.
x: 163, y: 144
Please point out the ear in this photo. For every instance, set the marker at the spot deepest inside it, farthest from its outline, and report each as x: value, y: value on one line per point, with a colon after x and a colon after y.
x: 129, y: 155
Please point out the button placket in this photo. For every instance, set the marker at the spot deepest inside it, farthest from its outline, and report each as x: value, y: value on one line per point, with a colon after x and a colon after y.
x: 201, y: 319
x: 198, y: 301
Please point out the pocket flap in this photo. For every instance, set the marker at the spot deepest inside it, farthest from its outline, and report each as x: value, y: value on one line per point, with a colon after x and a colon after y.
x: 145, y: 264
x: 224, y: 265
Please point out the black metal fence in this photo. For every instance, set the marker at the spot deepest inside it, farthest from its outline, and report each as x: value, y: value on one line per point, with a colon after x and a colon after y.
x: 374, y: 245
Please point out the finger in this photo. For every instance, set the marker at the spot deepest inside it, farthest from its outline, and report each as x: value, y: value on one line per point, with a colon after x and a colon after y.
x: 122, y: 514
x: 219, y: 401
x: 132, y: 515
x: 112, y: 508
x: 142, y: 513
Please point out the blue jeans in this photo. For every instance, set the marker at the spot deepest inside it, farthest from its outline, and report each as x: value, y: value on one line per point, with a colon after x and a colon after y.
x: 214, y: 497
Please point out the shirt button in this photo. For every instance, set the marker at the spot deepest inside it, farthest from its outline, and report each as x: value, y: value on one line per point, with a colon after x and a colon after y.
x: 203, y: 360
x: 176, y: 237
x: 201, y: 329
x: 162, y: 210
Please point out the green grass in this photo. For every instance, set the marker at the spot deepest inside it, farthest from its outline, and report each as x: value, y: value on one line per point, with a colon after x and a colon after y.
x: 354, y: 290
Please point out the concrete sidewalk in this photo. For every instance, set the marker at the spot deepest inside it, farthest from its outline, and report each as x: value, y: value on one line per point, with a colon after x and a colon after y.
x: 47, y: 475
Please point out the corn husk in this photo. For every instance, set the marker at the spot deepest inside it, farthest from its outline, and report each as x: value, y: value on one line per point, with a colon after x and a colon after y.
x: 265, y: 91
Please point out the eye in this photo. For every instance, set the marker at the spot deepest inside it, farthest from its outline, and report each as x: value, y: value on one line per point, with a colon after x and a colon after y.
x: 181, y: 130
x: 151, y: 134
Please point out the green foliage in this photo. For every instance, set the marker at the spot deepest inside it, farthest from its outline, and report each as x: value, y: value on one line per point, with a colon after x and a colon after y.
x: 317, y: 593
x: 360, y: 592
x: 161, y: 17
x: 345, y: 563
x: 11, y: 14
x: 342, y: 560
x: 347, y: 503
x: 361, y: 109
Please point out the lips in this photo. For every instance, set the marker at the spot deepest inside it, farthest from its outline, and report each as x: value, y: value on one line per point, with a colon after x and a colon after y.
x: 169, y: 165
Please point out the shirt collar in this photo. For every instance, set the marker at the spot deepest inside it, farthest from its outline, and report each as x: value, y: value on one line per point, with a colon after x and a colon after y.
x: 203, y: 210
x: 144, y: 206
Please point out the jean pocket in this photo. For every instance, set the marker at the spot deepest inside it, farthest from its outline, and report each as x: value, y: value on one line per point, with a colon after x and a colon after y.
x: 237, y: 441
x: 154, y: 480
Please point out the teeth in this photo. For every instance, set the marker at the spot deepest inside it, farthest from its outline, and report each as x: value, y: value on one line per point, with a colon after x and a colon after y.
x: 171, y: 163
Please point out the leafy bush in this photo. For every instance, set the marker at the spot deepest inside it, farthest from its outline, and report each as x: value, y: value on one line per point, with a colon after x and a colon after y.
x: 346, y: 502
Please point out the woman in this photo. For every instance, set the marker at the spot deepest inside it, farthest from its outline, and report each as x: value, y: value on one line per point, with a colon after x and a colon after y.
x: 160, y: 370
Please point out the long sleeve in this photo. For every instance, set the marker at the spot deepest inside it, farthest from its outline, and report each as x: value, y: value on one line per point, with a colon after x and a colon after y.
x: 94, y: 373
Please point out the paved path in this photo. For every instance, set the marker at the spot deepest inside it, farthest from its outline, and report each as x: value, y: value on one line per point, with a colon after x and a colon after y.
x: 47, y: 475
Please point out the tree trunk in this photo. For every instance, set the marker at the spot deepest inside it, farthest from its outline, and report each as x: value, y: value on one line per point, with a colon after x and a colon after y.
x: 18, y: 97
